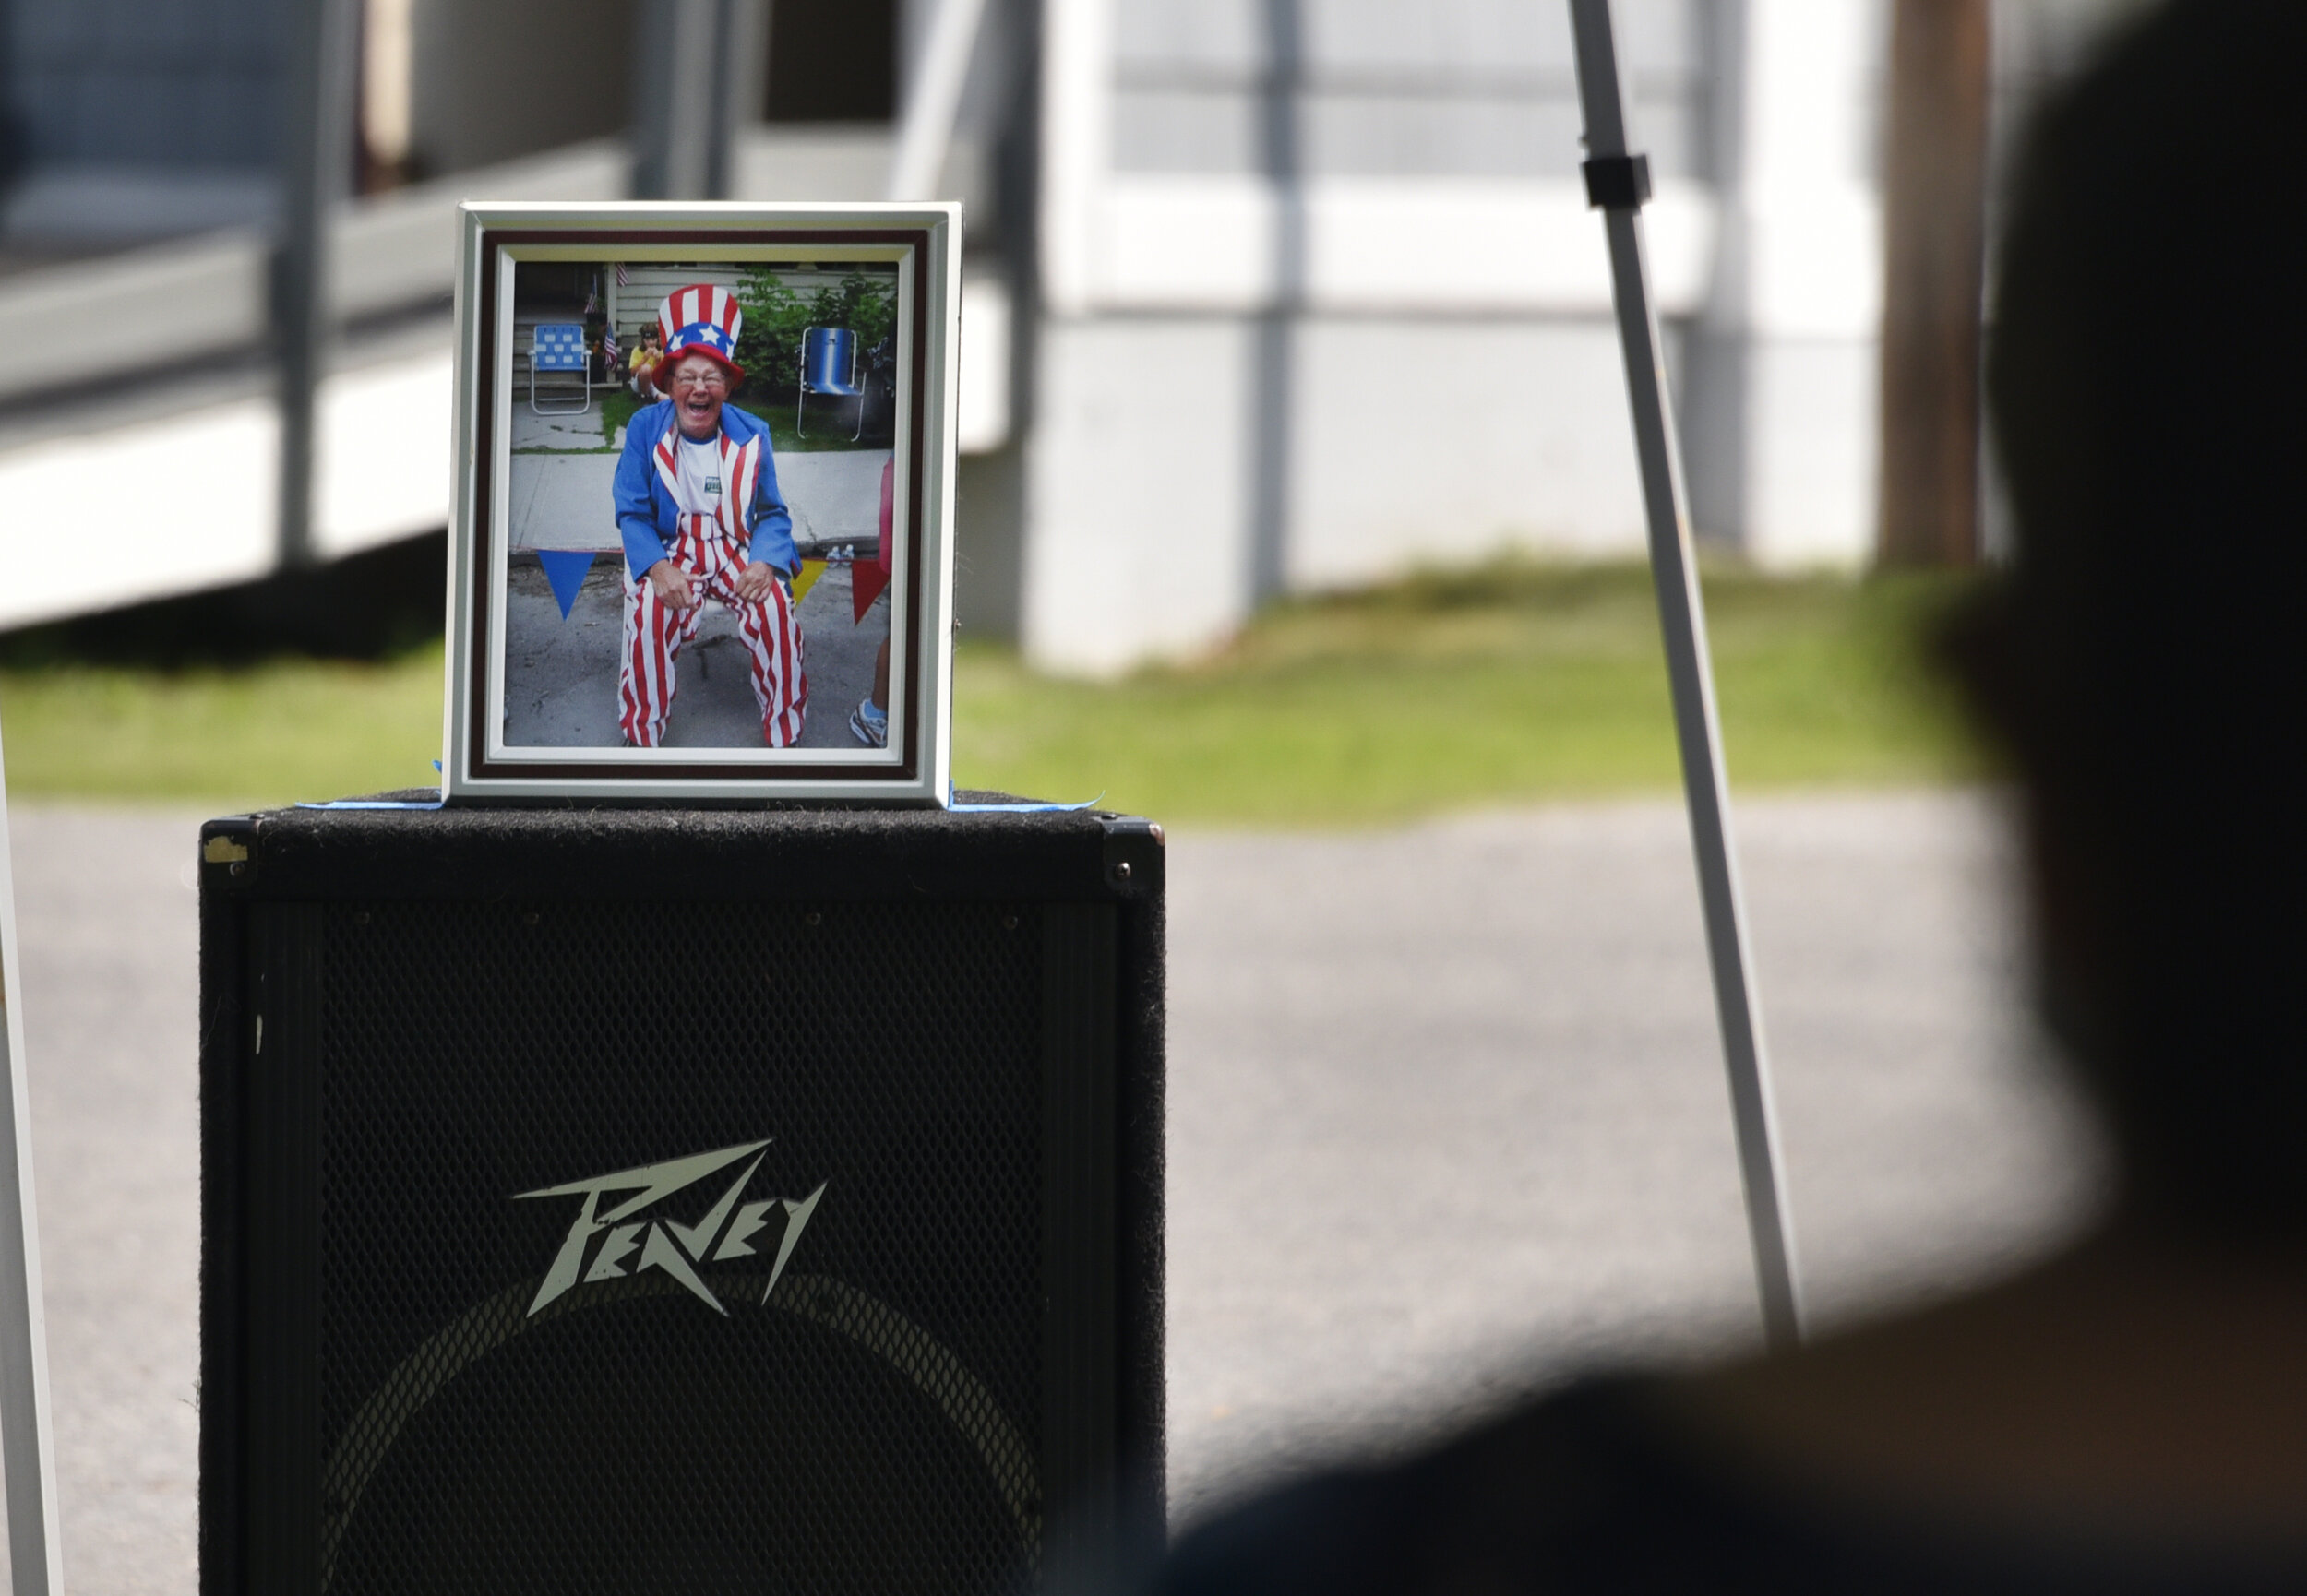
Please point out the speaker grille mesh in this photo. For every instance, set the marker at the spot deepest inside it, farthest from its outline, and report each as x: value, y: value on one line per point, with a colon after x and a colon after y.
x: 870, y: 1428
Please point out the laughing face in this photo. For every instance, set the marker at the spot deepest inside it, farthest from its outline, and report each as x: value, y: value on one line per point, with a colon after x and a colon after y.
x: 699, y: 384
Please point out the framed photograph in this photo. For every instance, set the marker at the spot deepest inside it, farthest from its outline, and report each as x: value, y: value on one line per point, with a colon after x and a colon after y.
x: 702, y: 530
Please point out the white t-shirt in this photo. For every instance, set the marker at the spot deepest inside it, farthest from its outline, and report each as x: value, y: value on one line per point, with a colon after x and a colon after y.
x: 700, y: 477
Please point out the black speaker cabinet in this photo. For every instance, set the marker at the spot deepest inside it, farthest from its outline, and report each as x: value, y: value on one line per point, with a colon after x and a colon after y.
x: 679, y: 1201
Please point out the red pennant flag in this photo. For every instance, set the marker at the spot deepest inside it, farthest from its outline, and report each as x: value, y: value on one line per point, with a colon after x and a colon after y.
x: 865, y: 582
x: 867, y: 579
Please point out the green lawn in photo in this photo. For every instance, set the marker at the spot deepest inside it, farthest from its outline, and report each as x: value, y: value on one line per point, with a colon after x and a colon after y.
x: 1513, y: 684
x: 829, y: 422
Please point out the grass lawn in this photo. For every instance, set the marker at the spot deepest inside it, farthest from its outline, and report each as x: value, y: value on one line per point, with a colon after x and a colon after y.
x: 1511, y: 685
x: 1514, y: 684
x: 270, y: 734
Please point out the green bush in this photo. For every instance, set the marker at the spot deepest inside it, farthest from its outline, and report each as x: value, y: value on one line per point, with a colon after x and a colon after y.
x: 770, y: 347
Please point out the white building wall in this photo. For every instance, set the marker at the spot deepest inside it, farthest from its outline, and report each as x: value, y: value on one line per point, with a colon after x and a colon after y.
x: 1137, y: 474
x: 1454, y: 384
x: 1437, y: 441
x: 1782, y: 429
x: 1813, y: 450
x: 1423, y: 442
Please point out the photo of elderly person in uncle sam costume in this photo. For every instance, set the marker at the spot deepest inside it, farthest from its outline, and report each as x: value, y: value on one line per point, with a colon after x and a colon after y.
x: 698, y: 505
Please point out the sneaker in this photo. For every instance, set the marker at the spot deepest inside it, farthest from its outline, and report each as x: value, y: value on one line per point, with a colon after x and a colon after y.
x: 869, y: 724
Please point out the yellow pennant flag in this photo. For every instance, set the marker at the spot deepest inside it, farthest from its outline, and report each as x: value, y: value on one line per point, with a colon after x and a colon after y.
x: 811, y: 571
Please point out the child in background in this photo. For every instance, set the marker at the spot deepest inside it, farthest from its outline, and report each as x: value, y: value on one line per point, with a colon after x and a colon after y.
x: 647, y: 355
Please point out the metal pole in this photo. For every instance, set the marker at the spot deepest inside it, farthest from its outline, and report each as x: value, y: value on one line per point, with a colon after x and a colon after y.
x: 315, y: 169
x: 1618, y: 182
x: 1017, y: 199
x: 27, y: 1445
x: 680, y: 101
x: 741, y: 86
x: 1273, y: 345
x: 924, y: 131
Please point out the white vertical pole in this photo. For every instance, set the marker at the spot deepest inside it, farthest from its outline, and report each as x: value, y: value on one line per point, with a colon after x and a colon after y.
x: 1077, y: 90
x: 317, y: 159
x: 740, y: 90
x: 28, y: 1448
x: 679, y: 97
x: 1618, y: 181
x: 925, y: 130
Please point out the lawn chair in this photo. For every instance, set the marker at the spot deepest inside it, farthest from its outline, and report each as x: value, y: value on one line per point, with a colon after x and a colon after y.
x: 829, y: 366
x: 561, y: 346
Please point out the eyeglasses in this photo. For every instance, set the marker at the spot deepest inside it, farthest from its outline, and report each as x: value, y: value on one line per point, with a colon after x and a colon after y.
x: 710, y: 377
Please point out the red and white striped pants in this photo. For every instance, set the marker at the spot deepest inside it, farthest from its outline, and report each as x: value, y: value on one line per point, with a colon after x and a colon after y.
x: 655, y: 634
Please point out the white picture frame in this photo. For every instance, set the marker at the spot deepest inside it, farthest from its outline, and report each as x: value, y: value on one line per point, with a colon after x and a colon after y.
x: 516, y: 730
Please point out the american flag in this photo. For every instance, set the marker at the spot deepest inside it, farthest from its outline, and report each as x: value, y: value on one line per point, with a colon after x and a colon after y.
x: 622, y: 280
x: 608, y: 347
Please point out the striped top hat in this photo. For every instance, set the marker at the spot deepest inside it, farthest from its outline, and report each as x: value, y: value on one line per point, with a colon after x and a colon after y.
x: 701, y: 319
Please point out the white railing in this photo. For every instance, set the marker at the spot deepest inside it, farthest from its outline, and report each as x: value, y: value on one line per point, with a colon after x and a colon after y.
x: 205, y: 449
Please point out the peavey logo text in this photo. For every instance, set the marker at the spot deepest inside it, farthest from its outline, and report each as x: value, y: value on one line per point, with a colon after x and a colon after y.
x: 669, y: 1245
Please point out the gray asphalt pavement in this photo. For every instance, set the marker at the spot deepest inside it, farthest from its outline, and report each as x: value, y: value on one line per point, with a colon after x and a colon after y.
x: 1447, y: 1118
x: 560, y: 672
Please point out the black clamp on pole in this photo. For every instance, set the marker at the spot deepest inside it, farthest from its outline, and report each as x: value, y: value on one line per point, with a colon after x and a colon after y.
x: 1617, y: 182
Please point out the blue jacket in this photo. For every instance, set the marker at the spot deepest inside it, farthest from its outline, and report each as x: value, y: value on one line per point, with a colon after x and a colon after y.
x: 648, y: 515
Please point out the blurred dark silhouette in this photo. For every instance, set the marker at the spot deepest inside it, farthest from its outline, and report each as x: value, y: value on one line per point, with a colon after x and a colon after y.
x: 2131, y: 1415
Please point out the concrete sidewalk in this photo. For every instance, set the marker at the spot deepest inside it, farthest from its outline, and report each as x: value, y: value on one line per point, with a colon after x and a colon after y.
x: 563, y: 501
x: 1446, y: 1117
x: 557, y: 429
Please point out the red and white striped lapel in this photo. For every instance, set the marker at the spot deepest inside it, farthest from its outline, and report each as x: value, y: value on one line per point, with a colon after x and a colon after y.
x: 745, y: 466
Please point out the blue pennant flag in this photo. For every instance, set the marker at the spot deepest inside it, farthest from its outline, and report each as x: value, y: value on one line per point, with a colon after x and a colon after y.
x: 565, y: 568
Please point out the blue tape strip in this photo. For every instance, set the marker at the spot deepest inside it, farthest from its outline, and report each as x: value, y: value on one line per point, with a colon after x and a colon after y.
x: 376, y: 803
x: 1017, y: 808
